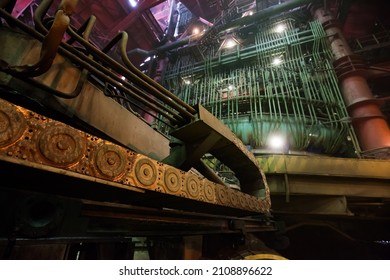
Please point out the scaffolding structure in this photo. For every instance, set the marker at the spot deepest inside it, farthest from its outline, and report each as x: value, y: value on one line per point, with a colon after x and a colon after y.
x: 279, y: 81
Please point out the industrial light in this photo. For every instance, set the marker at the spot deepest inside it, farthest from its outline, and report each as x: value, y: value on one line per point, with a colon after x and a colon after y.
x: 195, y: 31
x: 280, y: 28
x: 187, y: 82
x: 133, y: 3
x: 229, y: 42
x: 276, y: 142
x: 277, y: 61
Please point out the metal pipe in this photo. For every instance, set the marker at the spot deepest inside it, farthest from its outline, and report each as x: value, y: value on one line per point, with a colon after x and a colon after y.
x: 95, y: 68
x: 48, y: 52
x: 173, y: 17
x: 266, y: 13
x: 370, y: 125
x: 140, y: 78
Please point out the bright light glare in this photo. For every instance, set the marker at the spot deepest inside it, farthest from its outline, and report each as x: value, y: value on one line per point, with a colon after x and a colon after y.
x: 277, y: 61
x: 276, y: 142
x: 187, y: 82
x: 230, y: 43
x: 195, y: 31
x: 133, y: 3
x: 280, y: 28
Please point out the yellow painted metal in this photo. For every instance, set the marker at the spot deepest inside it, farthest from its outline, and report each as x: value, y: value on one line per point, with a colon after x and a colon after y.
x: 264, y: 257
x: 327, y: 176
x: 326, y: 166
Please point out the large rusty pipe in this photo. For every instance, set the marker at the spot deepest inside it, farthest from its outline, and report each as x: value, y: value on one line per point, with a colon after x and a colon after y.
x: 368, y: 121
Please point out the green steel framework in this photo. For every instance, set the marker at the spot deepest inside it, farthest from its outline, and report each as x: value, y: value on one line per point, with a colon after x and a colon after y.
x: 298, y: 98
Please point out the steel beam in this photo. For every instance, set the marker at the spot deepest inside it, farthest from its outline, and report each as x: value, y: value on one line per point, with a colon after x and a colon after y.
x: 316, y: 175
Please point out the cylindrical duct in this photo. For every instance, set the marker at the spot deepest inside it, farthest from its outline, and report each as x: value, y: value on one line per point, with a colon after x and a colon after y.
x: 369, y: 123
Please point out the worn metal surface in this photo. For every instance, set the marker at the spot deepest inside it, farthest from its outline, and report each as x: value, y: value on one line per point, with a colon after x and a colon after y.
x: 297, y: 98
x: 208, y: 134
x: 369, y: 122
x: 327, y: 176
x: 35, y: 139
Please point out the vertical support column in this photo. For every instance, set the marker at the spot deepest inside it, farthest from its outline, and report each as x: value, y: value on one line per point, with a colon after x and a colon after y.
x: 369, y: 123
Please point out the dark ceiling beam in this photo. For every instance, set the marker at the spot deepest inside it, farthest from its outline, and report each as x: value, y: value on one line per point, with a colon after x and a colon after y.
x: 20, y: 6
x: 124, y: 4
x: 195, y: 7
x: 134, y: 15
x: 266, y: 13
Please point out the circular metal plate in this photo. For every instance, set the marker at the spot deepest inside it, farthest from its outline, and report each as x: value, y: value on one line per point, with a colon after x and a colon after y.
x: 146, y: 172
x: 192, y: 186
x: 209, y: 191
x: 110, y: 161
x: 61, y: 145
x: 12, y: 124
x: 172, y: 180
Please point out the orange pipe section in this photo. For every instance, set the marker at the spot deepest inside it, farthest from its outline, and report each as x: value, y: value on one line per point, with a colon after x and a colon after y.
x: 368, y: 121
x: 370, y: 125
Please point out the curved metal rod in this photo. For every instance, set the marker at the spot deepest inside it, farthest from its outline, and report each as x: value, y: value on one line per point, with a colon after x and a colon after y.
x: 73, y: 94
x: 97, y: 69
x: 133, y: 103
x: 84, y: 30
x: 18, y: 72
x: 48, y: 50
x: 67, y: 6
x: 39, y: 25
x: 140, y: 80
x: 152, y: 87
x: 121, y: 69
x: 39, y: 13
x: 130, y: 65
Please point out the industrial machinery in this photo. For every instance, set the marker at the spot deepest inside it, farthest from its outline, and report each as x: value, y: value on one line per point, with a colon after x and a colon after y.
x: 111, y: 151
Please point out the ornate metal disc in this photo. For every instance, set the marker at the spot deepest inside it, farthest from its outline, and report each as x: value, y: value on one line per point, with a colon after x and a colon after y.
x: 192, y: 185
x: 172, y: 180
x: 146, y: 172
x: 110, y: 161
x: 61, y: 145
x: 12, y: 124
x: 208, y: 190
